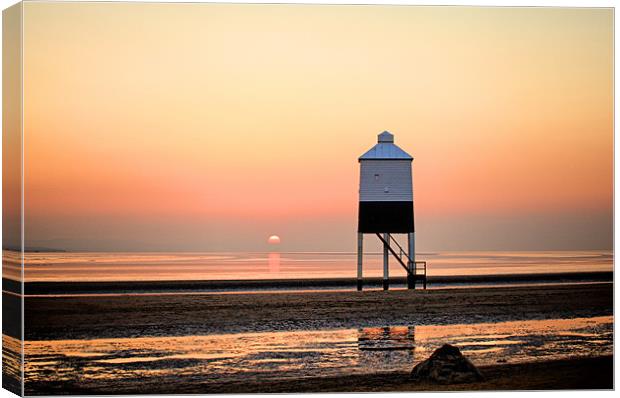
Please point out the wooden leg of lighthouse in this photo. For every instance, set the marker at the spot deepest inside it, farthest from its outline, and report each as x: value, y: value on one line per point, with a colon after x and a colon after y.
x: 386, y: 265
x: 360, y: 251
x: 411, y: 274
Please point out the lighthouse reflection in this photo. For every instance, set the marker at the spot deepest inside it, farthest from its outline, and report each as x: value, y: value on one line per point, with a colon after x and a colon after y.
x: 274, y: 262
x: 386, y: 343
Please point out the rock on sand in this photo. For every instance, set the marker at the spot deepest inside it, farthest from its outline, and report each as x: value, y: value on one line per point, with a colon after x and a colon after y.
x: 446, y: 366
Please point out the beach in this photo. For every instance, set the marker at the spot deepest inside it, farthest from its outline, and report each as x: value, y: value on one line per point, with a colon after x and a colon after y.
x: 106, y: 323
x: 317, y: 340
x: 569, y: 374
x: 123, y: 315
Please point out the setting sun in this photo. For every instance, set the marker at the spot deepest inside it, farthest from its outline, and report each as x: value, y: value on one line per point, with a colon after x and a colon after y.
x: 274, y: 240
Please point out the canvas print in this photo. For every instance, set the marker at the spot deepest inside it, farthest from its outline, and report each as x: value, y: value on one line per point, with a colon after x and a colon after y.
x: 264, y: 198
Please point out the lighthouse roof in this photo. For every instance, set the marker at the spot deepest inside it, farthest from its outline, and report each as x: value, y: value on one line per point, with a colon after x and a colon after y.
x: 386, y: 149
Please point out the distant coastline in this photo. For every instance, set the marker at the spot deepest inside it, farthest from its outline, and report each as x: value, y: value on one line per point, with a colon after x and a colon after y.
x: 34, y: 249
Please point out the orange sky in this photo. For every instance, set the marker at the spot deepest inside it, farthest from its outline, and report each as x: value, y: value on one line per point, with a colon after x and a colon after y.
x: 211, y: 127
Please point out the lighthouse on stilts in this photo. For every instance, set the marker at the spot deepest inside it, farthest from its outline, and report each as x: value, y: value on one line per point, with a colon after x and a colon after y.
x: 386, y: 208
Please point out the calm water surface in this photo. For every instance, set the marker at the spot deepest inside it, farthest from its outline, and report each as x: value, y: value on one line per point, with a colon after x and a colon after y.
x: 234, y: 266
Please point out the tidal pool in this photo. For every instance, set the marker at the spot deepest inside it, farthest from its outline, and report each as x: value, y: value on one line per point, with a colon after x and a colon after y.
x: 114, y: 364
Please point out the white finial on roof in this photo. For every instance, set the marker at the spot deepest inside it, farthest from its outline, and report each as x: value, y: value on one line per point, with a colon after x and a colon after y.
x: 386, y: 136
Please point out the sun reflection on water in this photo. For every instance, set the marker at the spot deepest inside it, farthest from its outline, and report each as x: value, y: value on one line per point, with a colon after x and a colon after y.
x: 274, y: 262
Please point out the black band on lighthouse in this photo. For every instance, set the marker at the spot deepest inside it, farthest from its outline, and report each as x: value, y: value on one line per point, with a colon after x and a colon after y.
x: 385, y: 216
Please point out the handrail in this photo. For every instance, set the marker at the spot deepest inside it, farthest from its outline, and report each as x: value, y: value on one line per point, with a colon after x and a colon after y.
x: 423, y: 272
x: 423, y: 268
x: 389, y: 247
x: 402, y: 251
x: 399, y: 256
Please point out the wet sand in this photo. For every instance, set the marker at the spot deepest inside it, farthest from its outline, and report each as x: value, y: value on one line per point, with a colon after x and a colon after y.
x: 568, y: 374
x: 584, y: 373
x: 87, y: 317
x: 182, y: 316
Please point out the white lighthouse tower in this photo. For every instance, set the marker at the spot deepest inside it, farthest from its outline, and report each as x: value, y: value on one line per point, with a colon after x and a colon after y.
x: 386, y: 206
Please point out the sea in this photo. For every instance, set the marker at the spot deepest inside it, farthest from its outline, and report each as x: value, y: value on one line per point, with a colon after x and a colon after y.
x: 155, y: 266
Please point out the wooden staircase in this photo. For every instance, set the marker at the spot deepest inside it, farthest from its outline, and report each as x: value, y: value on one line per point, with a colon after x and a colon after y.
x: 416, y: 270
